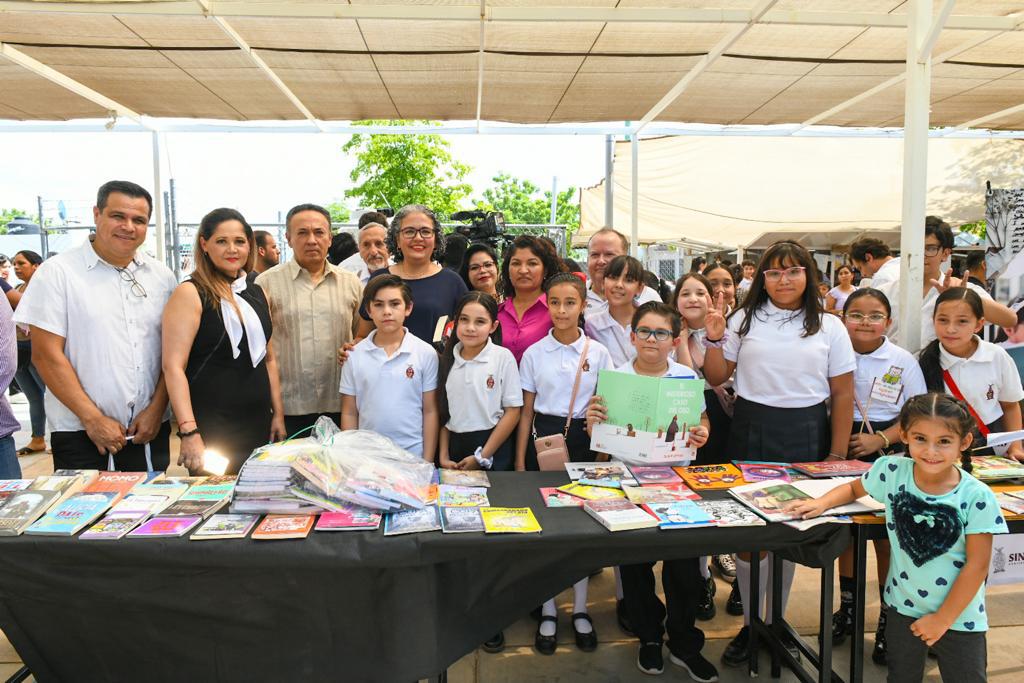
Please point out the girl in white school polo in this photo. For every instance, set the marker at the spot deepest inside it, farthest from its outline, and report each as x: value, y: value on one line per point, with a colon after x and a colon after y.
x: 963, y: 365
x: 548, y: 372
x: 790, y: 357
x: 623, y: 282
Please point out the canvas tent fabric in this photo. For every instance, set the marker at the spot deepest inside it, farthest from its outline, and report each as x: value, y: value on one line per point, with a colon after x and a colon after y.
x: 543, y: 61
x: 751, y: 191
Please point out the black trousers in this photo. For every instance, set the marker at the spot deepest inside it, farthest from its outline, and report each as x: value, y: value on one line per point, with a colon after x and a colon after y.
x: 465, y: 444
x: 75, y: 451
x: 293, y: 424
x: 682, y: 581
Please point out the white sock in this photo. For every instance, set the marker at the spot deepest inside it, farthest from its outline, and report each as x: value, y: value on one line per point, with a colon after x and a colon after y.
x: 618, y: 583
x: 548, y: 609
x: 788, y: 568
x: 705, y: 570
x: 579, y: 604
x: 743, y: 577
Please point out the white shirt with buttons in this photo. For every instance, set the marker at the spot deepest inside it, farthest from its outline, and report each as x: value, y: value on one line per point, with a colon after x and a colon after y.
x: 777, y: 366
x: 480, y: 389
x: 987, y: 377
x: 389, y: 390
x: 872, y: 367
x: 602, y: 327
x: 548, y: 369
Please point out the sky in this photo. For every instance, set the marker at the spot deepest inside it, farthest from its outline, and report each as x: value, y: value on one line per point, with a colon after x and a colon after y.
x: 259, y: 174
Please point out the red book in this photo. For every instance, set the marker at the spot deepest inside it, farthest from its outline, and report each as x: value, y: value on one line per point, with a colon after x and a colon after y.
x: 118, y: 482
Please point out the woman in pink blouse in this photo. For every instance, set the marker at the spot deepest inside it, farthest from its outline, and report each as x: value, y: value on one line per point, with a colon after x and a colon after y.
x: 523, y: 315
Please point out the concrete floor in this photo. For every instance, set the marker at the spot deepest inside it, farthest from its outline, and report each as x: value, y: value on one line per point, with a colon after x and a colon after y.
x: 614, y: 661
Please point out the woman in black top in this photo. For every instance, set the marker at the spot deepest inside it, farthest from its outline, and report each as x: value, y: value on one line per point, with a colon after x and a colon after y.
x: 218, y: 360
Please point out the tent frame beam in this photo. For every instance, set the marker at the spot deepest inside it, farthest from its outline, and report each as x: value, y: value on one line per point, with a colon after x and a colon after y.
x: 469, y: 12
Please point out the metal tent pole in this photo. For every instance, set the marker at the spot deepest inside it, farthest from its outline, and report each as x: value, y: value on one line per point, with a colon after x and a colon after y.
x: 158, y: 197
x: 634, y: 211
x: 609, y: 181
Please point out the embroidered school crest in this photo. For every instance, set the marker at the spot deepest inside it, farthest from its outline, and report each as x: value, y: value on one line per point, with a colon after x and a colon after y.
x: 991, y: 394
x: 409, y: 372
x: 586, y: 365
x: 490, y: 381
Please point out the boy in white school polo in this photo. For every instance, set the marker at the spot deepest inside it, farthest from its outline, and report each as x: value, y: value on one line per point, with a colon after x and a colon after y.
x: 388, y: 383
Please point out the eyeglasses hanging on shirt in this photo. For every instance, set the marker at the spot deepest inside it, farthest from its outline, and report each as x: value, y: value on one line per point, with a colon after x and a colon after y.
x: 136, y: 286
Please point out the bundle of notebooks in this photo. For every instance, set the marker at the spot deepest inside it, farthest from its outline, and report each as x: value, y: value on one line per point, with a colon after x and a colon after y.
x: 266, y: 479
x: 773, y: 500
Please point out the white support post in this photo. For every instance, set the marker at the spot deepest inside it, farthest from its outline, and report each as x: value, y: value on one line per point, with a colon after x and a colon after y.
x: 634, y: 211
x: 915, y: 174
x: 609, y: 181
x: 554, y: 200
x: 158, y: 201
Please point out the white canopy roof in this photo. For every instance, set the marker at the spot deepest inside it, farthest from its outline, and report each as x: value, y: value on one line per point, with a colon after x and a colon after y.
x: 752, y: 191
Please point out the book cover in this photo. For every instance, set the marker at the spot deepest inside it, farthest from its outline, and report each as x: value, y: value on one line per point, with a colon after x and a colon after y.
x: 207, y: 491
x: 553, y: 498
x: 66, y: 485
x: 680, y: 514
x: 110, y: 528
x: 655, y: 476
x: 476, y: 478
x: 171, y: 489
x: 619, y: 515
x: 703, y: 477
x: 134, y: 505
x: 225, y: 526
x: 457, y: 520
x: 1011, y: 504
x: 284, y: 526
x: 591, y: 492
x: 834, y: 468
x: 994, y: 468
x: 658, y: 494
x: 17, y: 484
x: 74, y: 514
x: 412, y: 521
x: 648, y: 417
x: 117, y: 482
x: 220, y: 480
x: 87, y: 476
x: 165, y: 527
x: 575, y: 470
x: 23, y: 508
x: 191, y: 508
x: 819, y: 487
x: 462, y: 496
x: 352, y: 518
x: 762, y: 471
x: 729, y: 513
x: 509, y: 520
x: 770, y: 499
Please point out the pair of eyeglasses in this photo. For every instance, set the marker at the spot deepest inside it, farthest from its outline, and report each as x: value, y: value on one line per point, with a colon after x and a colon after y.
x: 659, y: 334
x: 489, y: 265
x: 791, y: 274
x: 932, y: 249
x: 136, y: 286
x: 411, y: 233
x: 858, y: 318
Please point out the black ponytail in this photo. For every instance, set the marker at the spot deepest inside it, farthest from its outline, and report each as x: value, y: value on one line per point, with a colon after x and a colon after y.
x: 931, y: 367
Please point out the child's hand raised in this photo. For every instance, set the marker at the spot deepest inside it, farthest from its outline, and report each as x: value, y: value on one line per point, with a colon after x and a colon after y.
x: 806, y: 509
x: 714, y: 321
x: 930, y: 628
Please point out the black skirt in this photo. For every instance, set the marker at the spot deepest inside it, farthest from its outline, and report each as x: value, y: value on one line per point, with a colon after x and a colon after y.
x: 577, y: 441
x: 761, y: 432
x: 463, y: 445
x: 716, y: 450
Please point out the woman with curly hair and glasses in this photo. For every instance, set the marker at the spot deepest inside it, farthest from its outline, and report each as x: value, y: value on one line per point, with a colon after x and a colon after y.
x: 416, y: 242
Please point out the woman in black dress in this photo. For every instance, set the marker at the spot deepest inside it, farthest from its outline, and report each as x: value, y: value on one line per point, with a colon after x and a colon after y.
x: 218, y: 359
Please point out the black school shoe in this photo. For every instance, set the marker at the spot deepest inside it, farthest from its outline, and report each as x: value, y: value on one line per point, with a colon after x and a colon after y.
x: 699, y: 669
x: 623, y: 618
x: 878, y: 654
x: 587, y: 642
x: 842, y: 623
x: 737, y: 652
x: 495, y: 644
x: 706, y: 602
x: 546, y: 644
x: 734, y: 605
x: 649, y: 659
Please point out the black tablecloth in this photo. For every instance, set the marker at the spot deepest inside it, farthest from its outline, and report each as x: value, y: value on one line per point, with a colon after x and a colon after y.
x: 352, y: 606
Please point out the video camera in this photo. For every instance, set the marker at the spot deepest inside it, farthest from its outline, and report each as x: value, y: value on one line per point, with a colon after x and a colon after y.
x: 484, y: 226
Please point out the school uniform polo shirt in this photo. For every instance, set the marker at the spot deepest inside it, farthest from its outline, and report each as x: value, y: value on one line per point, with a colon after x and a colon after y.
x: 986, y: 378
x: 886, y: 362
x: 480, y: 389
x: 597, y: 303
x: 602, y: 327
x: 548, y: 369
x: 777, y: 366
x: 389, y: 391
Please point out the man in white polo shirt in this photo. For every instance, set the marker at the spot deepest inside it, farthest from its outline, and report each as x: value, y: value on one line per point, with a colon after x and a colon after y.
x: 95, y: 317
x: 873, y: 259
x: 604, y: 245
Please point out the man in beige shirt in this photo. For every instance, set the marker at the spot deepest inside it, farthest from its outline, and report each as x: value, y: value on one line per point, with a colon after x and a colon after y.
x: 314, y: 306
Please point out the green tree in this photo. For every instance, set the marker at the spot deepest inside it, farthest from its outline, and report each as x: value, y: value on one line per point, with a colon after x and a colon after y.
x: 8, y: 215
x: 522, y: 202
x: 406, y: 169
x: 977, y: 228
x: 339, y: 212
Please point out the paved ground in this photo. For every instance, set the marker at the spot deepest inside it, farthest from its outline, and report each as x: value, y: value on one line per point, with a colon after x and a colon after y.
x: 615, y: 659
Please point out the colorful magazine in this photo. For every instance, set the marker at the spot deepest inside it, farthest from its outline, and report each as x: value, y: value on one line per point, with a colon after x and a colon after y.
x: 729, y: 513
x: 833, y: 468
x: 274, y: 527
x: 353, y: 518
x: 762, y: 471
x: 22, y: 508
x: 553, y: 498
x: 165, y: 527
x: 680, y: 514
x: 412, y: 521
x: 994, y: 468
x: 591, y: 492
x: 648, y: 417
x: 703, y: 477
x: 658, y: 494
x: 225, y: 526
x: 462, y: 496
x: 111, y: 528
x: 464, y: 478
x: 74, y: 514
x: 457, y: 520
x: 509, y: 520
x: 656, y: 476
x: 118, y: 482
